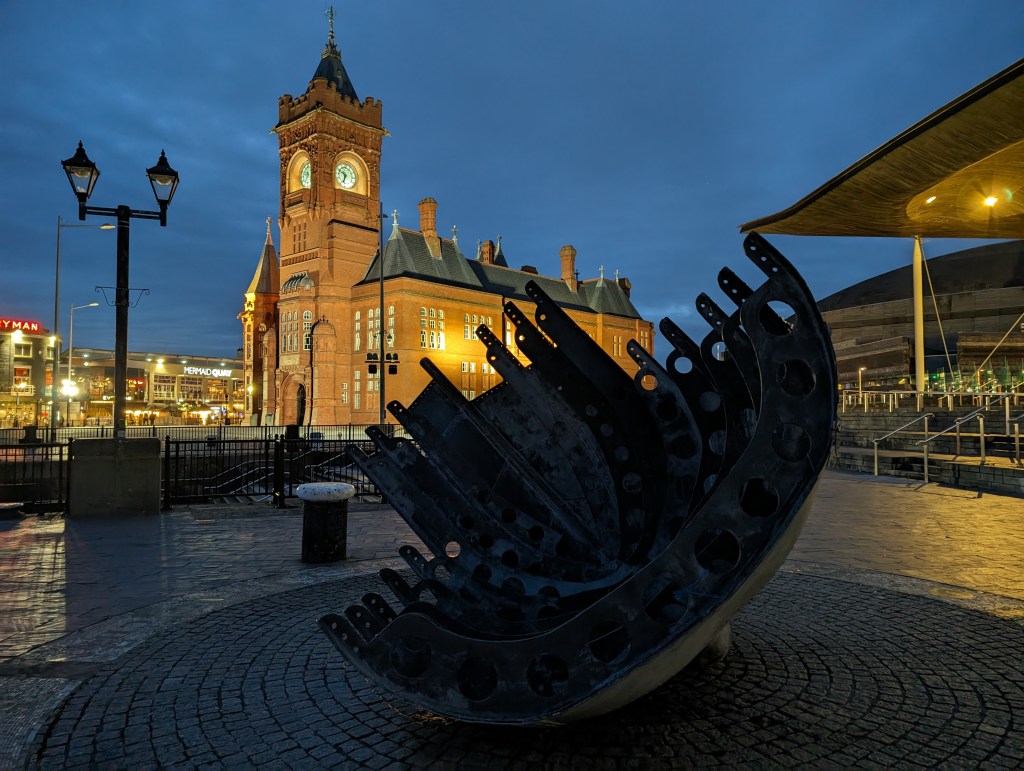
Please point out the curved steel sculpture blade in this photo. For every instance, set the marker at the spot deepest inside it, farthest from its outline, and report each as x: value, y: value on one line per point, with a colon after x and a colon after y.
x: 593, y: 532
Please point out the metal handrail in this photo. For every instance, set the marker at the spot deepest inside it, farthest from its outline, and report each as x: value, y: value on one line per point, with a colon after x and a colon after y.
x: 908, y: 425
x: 969, y: 416
x: 902, y: 428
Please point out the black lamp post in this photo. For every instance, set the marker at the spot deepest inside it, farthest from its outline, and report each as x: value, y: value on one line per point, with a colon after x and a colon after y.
x: 82, y: 174
x: 312, y: 347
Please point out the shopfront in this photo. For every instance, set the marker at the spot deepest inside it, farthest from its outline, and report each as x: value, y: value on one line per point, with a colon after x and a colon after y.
x: 162, y: 388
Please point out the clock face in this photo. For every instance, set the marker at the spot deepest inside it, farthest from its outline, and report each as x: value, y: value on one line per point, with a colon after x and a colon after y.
x: 345, y: 175
x: 305, y: 176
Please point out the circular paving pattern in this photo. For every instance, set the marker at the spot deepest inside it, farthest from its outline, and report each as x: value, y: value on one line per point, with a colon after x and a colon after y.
x: 821, y: 672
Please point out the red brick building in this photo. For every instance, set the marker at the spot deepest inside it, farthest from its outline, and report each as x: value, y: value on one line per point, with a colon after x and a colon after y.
x: 312, y: 316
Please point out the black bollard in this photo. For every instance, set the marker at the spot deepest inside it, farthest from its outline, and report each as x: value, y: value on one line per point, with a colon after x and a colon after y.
x: 325, y: 521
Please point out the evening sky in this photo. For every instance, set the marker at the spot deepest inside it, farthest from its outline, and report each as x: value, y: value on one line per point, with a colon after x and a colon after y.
x: 641, y: 132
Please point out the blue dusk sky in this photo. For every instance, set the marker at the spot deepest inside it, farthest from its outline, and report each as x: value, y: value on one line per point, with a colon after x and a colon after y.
x: 641, y: 132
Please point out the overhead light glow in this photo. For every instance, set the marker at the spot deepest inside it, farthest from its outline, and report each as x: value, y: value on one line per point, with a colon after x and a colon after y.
x: 991, y: 200
x: 930, y: 199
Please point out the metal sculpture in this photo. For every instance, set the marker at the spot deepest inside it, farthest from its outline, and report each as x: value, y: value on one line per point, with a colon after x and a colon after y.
x: 592, y: 533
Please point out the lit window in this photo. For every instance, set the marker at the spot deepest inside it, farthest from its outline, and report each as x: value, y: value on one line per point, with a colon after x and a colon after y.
x: 307, y: 315
x: 423, y: 311
x: 423, y: 338
x: 432, y: 313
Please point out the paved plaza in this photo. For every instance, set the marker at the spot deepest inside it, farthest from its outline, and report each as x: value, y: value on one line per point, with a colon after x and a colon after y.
x: 893, y: 636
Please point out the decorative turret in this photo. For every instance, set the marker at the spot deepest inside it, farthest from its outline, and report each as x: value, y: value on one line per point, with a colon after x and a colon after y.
x: 258, y: 319
x: 266, y: 279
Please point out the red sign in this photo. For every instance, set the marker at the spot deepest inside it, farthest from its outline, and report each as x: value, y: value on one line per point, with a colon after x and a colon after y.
x: 11, y: 325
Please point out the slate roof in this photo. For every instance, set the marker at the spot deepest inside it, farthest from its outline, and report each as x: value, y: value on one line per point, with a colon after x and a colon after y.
x: 406, y: 254
x: 330, y: 67
x: 266, y: 279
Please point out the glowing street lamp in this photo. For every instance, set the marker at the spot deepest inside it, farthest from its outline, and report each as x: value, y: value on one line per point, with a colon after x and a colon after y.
x: 82, y: 175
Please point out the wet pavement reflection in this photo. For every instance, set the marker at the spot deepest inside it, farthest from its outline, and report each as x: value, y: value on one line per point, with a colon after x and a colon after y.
x: 60, y: 576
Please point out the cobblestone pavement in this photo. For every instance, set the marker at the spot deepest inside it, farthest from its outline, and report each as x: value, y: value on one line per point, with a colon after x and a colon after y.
x: 891, y: 637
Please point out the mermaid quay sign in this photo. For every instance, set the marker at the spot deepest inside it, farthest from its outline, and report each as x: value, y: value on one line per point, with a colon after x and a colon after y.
x: 207, y: 371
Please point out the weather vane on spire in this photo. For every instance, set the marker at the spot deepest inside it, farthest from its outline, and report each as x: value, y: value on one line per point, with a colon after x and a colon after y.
x: 330, y: 49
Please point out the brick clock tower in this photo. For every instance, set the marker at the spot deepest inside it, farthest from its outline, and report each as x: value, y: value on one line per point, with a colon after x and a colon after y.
x: 330, y: 150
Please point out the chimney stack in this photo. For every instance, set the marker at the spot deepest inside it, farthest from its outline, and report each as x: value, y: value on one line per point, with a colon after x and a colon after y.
x: 428, y: 225
x: 568, y: 254
x: 487, y: 252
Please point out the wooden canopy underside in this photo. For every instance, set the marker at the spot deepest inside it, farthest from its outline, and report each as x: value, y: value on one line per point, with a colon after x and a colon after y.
x: 932, y: 180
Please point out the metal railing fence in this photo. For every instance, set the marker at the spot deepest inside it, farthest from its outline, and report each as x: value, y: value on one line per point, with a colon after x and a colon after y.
x: 34, y: 474
x: 891, y: 401
x: 347, y: 432
x: 199, y: 463
x: 261, y: 469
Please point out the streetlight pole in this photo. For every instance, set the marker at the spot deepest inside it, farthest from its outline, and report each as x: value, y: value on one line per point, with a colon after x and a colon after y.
x: 56, y: 314
x: 312, y: 347
x: 82, y: 174
x: 71, y: 385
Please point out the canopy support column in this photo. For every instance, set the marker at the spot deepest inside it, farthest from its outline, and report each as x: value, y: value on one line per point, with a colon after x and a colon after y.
x: 919, y: 375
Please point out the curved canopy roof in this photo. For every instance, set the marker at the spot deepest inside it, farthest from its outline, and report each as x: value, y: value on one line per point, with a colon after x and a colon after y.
x: 959, y: 173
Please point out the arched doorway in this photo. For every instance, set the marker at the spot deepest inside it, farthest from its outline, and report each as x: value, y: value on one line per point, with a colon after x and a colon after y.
x: 300, y: 405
